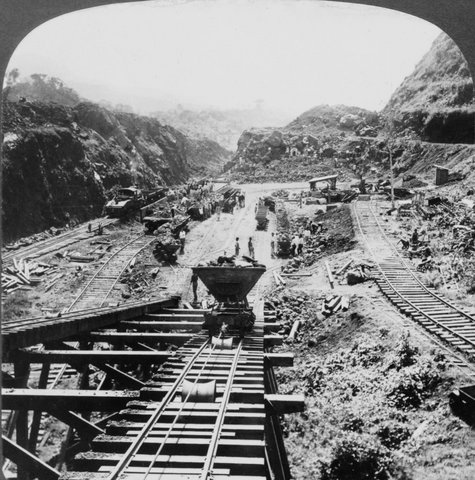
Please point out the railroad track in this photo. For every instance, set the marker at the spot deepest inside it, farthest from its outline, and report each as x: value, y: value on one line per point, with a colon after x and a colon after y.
x: 402, y: 285
x: 100, y: 285
x: 54, y: 244
x: 172, y: 432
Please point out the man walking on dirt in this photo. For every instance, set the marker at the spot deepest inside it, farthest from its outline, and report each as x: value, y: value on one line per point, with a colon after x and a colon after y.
x: 237, y: 247
x: 194, y: 282
x: 182, y: 241
x: 250, y: 246
x: 272, y: 245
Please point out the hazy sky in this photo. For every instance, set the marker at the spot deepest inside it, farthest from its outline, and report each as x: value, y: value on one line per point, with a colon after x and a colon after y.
x: 291, y: 55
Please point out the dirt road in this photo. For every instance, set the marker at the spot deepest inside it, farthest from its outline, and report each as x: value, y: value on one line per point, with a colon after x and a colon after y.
x: 211, y: 238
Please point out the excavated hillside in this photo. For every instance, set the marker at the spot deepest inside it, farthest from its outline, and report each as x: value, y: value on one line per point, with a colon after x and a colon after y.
x: 317, y: 133
x: 433, y: 113
x: 60, y: 161
x: 436, y: 101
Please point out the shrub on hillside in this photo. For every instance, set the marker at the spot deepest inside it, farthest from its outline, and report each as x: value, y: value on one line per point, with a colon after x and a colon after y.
x: 404, y: 354
x: 360, y: 457
x: 392, y: 433
x: 410, y: 386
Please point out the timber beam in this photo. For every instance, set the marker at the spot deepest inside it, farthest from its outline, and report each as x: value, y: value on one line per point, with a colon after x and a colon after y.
x: 280, y: 404
x: 21, y: 456
x: 142, y: 337
x: 173, y: 317
x: 280, y: 359
x: 76, y: 400
x: 93, y: 357
x: 168, y: 325
x: 44, y: 330
x: 273, y: 340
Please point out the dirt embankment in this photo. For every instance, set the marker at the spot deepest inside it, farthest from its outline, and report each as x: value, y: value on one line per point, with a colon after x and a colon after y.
x: 60, y: 161
x: 376, y: 388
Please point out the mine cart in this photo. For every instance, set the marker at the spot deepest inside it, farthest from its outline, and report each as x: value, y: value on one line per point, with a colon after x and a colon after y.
x: 261, y: 216
x: 230, y: 286
x: 166, y: 250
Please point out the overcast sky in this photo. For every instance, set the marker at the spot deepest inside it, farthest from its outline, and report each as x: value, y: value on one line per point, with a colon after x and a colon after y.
x: 230, y: 53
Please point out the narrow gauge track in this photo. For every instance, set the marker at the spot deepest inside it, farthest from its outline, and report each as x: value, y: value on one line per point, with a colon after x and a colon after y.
x: 170, y: 433
x: 53, y: 244
x: 398, y: 280
x: 100, y: 285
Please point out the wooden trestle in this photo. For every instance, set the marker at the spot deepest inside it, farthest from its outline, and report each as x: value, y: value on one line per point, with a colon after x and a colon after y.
x: 157, y: 429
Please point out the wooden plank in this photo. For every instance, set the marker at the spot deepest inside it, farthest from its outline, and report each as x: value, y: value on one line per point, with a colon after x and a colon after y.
x: 280, y: 359
x: 273, y: 340
x: 132, y: 337
x: 28, y: 461
x: 165, y: 325
x: 172, y: 317
x: 285, y: 403
x: 49, y: 330
x: 96, y: 357
x: 76, y: 400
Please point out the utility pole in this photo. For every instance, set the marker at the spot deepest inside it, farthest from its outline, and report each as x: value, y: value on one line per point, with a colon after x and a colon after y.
x: 391, y: 173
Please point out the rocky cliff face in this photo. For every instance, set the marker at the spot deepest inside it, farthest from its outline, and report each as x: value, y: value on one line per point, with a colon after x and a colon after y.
x: 59, y: 161
x: 316, y: 134
x: 436, y: 101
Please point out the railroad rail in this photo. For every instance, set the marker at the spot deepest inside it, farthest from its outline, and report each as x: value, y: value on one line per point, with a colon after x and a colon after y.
x: 401, y: 284
x: 165, y: 428
x: 55, y: 243
x: 100, y: 285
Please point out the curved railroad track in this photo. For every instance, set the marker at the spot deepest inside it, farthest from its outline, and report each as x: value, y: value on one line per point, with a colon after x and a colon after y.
x: 100, y: 285
x: 401, y: 284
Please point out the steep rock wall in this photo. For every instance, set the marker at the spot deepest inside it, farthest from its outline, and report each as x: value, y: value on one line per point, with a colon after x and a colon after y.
x: 60, y: 161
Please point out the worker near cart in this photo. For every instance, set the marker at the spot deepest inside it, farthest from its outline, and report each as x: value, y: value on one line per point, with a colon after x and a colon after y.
x: 237, y: 247
x: 250, y: 246
x: 294, y: 244
x: 300, y: 243
x: 194, y: 283
x: 415, y: 237
x: 182, y: 237
x: 272, y: 245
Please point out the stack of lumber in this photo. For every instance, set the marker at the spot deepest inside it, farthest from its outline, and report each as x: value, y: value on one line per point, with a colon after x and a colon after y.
x: 24, y: 274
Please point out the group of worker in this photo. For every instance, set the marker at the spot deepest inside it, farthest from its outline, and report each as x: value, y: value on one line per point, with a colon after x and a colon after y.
x: 250, y: 248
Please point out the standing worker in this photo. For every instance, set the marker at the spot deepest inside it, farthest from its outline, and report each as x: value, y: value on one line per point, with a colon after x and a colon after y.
x: 300, y: 245
x: 272, y: 245
x: 182, y: 241
x: 293, y: 245
x: 415, y: 237
x: 194, y: 282
x: 250, y: 247
x: 237, y: 247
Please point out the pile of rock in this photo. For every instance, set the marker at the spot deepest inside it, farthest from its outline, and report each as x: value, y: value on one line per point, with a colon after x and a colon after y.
x: 334, y: 233
x: 291, y: 308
